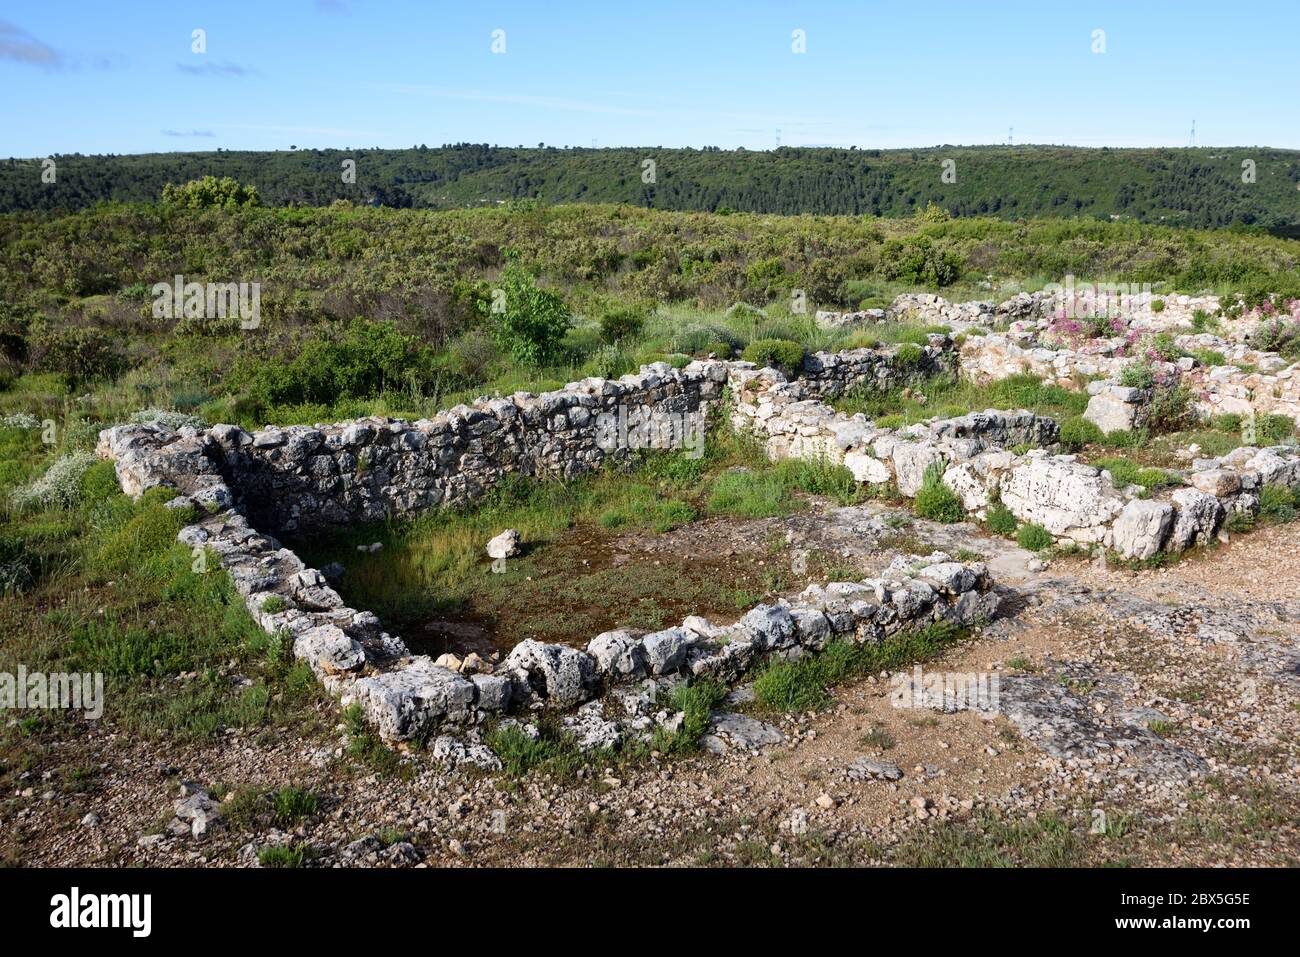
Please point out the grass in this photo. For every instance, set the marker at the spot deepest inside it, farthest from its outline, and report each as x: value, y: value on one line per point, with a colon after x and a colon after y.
x: 553, y: 751
x: 991, y: 840
x: 1126, y: 472
x: 1033, y: 537
x: 936, y: 501
x: 1001, y: 520
x: 946, y: 397
x: 805, y: 684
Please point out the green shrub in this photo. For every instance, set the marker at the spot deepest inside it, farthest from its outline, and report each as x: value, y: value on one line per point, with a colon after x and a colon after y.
x: 936, y: 501
x: 1125, y: 472
x: 210, y: 193
x: 780, y: 354
x: 909, y: 356
x: 1157, y: 305
x: 291, y: 804
x: 621, y: 323
x: 819, y: 477
x: 83, y: 355
x: 750, y: 494
x: 530, y: 322
x: 1210, y: 358
x: 281, y: 856
x: 1171, y: 408
x: 1229, y: 422
x: 1275, y: 428
x: 805, y: 684
x: 359, y: 361
x: 59, y: 487
x: 1001, y: 520
x: 1137, y: 375
x: 1278, y: 503
x: 1034, y: 537
x: 860, y: 340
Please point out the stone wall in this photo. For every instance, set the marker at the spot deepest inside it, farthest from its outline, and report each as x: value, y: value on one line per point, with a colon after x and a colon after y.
x: 831, y: 374
x: 302, y: 477
x: 406, y: 696
x: 1072, y: 500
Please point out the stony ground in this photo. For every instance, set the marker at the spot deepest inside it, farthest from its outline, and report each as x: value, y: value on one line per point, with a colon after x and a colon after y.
x: 1146, y: 717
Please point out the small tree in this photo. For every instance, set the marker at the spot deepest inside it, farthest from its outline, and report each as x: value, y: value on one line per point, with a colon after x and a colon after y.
x: 529, y: 322
x: 211, y: 193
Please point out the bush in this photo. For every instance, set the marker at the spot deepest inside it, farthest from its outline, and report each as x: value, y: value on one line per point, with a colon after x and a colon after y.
x: 909, y: 356
x: 1034, y: 537
x: 210, y: 193
x: 621, y: 323
x: 1277, y: 503
x: 778, y: 353
x: 820, y: 477
x: 1137, y: 375
x: 530, y: 322
x: 1157, y: 305
x: 83, y: 355
x: 59, y: 487
x: 1125, y: 472
x: 1000, y: 520
x: 1275, y: 428
x: 359, y: 362
x: 1171, y: 408
x: 1076, y: 432
x: 937, y: 501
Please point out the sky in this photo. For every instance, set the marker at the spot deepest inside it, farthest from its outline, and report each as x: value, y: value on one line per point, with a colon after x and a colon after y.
x: 123, y: 76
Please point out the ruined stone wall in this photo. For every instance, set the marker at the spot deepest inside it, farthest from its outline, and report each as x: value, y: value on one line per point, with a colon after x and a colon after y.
x: 828, y: 375
x: 974, y: 455
x: 303, y: 477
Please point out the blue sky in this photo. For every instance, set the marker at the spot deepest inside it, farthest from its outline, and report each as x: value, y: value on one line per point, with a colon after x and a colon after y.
x: 120, y: 77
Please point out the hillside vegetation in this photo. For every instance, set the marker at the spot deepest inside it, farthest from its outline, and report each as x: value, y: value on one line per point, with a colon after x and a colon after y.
x: 378, y: 311
x: 1184, y: 187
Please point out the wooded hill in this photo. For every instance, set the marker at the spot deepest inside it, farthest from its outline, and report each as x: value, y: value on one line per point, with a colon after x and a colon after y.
x: 1200, y: 187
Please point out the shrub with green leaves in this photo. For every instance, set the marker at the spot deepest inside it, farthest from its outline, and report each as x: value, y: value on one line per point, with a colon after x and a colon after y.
x: 1127, y: 472
x: 1077, y: 432
x: 621, y: 322
x: 1137, y: 375
x: 1278, y: 503
x: 782, y: 354
x: 909, y: 356
x: 936, y: 501
x: 1034, y: 537
x: 358, y: 361
x: 530, y: 322
x: 210, y: 193
x: 1001, y: 520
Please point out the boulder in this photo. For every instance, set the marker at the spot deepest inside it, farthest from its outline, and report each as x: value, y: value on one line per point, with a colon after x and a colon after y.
x: 665, y: 651
x: 1197, y: 519
x: 564, y: 676
x: 1142, y: 528
x: 505, y: 545
x: 617, y: 653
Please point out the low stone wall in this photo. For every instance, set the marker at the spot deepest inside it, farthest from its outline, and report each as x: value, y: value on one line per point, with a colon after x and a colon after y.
x: 406, y: 696
x: 1072, y: 500
x: 831, y: 374
x: 304, y: 477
